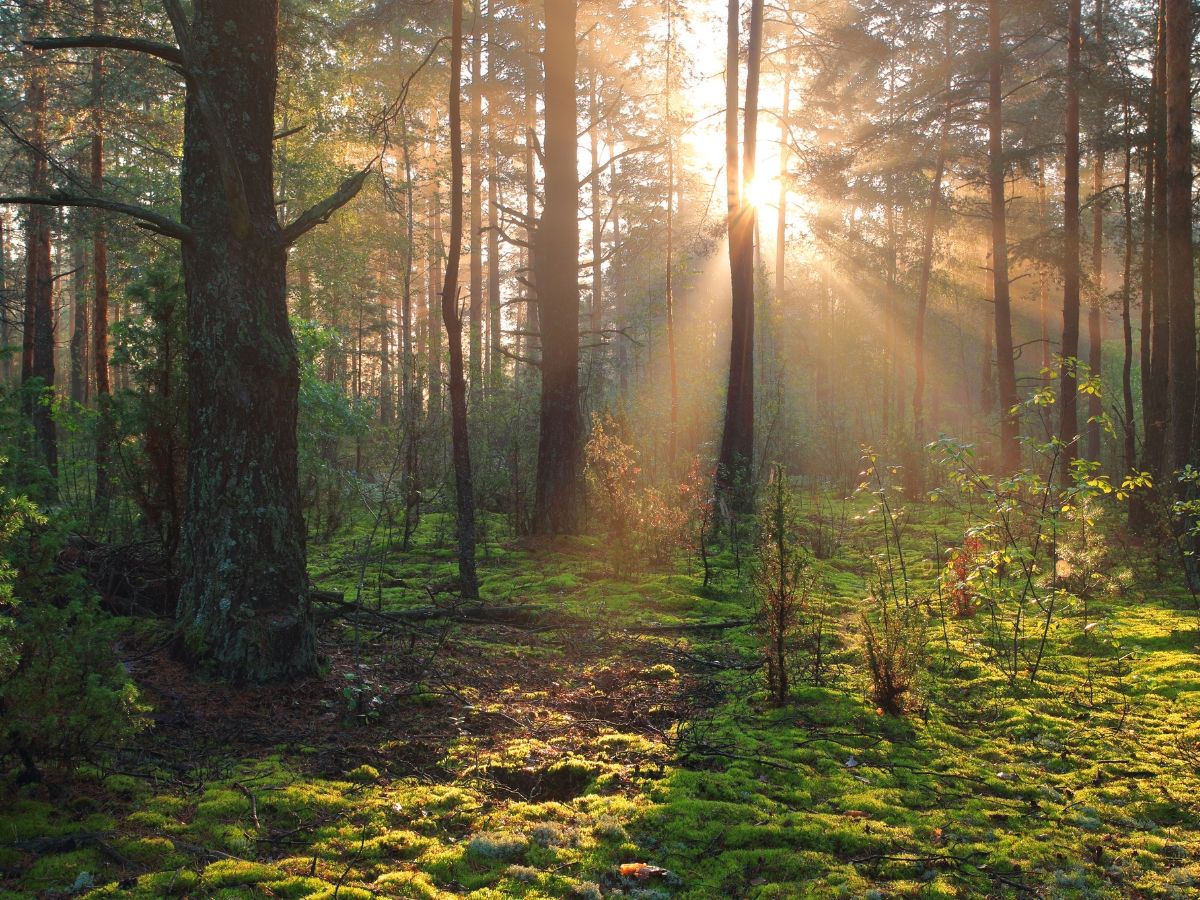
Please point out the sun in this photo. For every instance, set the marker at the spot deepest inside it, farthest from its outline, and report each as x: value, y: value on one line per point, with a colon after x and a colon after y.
x: 758, y: 192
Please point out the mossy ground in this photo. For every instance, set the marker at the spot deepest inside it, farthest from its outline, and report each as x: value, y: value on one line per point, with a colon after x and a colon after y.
x: 501, y: 761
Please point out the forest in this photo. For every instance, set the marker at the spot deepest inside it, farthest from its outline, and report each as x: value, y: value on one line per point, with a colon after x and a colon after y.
x: 599, y: 448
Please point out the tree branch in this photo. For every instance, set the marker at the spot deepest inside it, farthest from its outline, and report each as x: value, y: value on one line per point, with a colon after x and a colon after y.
x: 320, y: 213
x: 166, y: 52
x: 146, y: 218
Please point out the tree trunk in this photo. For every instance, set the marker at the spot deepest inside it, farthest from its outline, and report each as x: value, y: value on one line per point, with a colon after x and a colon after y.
x: 596, y: 300
x: 463, y: 488
x: 1156, y: 385
x: 37, y: 359
x: 1180, y: 269
x: 1095, y: 322
x: 781, y: 212
x: 476, y: 341
x: 1130, y: 430
x: 495, y: 318
x: 244, y: 605
x: 79, y: 307
x: 1010, y: 449
x: 736, y: 459
x: 556, y: 260
x: 673, y: 423
x: 104, y: 426
x: 1068, y: 401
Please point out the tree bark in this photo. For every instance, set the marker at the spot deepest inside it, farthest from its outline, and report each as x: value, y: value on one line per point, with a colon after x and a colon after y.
x: 476, y: 316
x: 1130, y: 429
x: 463, y: 486
x: 1180, y: 268
x: 244, y: 604
x: 104, y: 427
x: 1068, y: 401
x: 556, y: 260
x: 37, y: 359
x: 1010, y: 449
x: 736, y: 459
x: 673, y: 423
x: 1095, y: 323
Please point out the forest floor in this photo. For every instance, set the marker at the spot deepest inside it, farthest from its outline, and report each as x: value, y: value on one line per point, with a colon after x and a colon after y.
x: 608, y: 735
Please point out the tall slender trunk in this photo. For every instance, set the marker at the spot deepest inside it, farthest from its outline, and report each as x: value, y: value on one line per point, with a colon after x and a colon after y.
x: 463, y: 486
x: 79, y: 315
x: 5, y: 315
x: 1043, y: 273
x: 736, y: 459
x: 476, y: 343
x: 596, y: 300
x: 530, y: 328
x: 781, y: 213
x: 1069, y: 399
x: 556, y: 263
x: 1180, y: 267
x: 1095, y: 322
x: 436, y: 255
x: 673, y: 423
x: 621, y: 321
x: 495, y: 319
x: 1156, y: 384
x: 1010, y: 449
x: 104, y: 426
x: 386, y: 401
x: 37, y: 360
x: 1130, y: 429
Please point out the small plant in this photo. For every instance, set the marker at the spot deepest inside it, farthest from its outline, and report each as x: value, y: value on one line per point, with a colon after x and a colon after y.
x: 782, y: 580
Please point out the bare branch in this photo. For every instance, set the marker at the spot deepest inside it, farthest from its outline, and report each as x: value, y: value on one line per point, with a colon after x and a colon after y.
x: 146, y: 218
x: 168, y: 53
x: 320, y: 213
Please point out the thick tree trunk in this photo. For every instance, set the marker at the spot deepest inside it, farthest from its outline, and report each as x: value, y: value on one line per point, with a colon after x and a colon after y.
x: 1180, y: 268
x: 556, y: 259
x: 244, y: 605
x: 736, y: 459
x: 1010, y: 449
x: 1069, y: 399
x: 464, y: 490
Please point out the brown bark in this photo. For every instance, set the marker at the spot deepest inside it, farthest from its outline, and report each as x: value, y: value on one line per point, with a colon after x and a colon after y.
x: 100, y: 274
x: 736, y: 459
x: 1180, y: 267
x: 1010, y: 449
x: 1095, y: 323
x: 1129, y: 459
x: 673, y: 423
x: 556, y: 261
x: 79, y: 317
x: 476, y: 315
x: 452, y: 321
x: 1069, y: 399
x: 1155, y: 384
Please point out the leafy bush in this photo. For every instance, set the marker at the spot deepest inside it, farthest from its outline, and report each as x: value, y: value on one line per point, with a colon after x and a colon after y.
x: 63, y: 693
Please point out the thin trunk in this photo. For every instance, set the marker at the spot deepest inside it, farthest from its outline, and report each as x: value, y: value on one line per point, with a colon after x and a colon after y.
x: 781, y: 213
x: 476, y: 346
x: 463, y: 487
x: 1068, y: 401
x: 1095, y: 323
x: 673, y: 423
x: 37, y: 360
x: 621, y: 320
x: 1130, y: 429
x: 1010, y: 449
x: 1155, y: 384
x: 596, y: 300
x: 104, y: 427
x: 79, y: 305
x: 556, y: 263
x: 1043, y: 273
x: 1180, y: 267
x: 495, y: 319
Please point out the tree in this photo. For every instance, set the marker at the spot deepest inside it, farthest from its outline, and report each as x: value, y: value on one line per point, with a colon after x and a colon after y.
x: 556, y: 279
x: 1069, y: 399
x: 1010, y: 449
x: 244, y: 605
x: 452, y: 321
x: 736, y: 459
x: 1180, y: 267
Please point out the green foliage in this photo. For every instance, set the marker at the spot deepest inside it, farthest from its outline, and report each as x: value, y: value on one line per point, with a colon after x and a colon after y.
x: 63, y: 693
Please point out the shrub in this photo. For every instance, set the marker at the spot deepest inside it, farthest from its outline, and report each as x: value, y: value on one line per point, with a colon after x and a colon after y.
x: 63, y: 693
